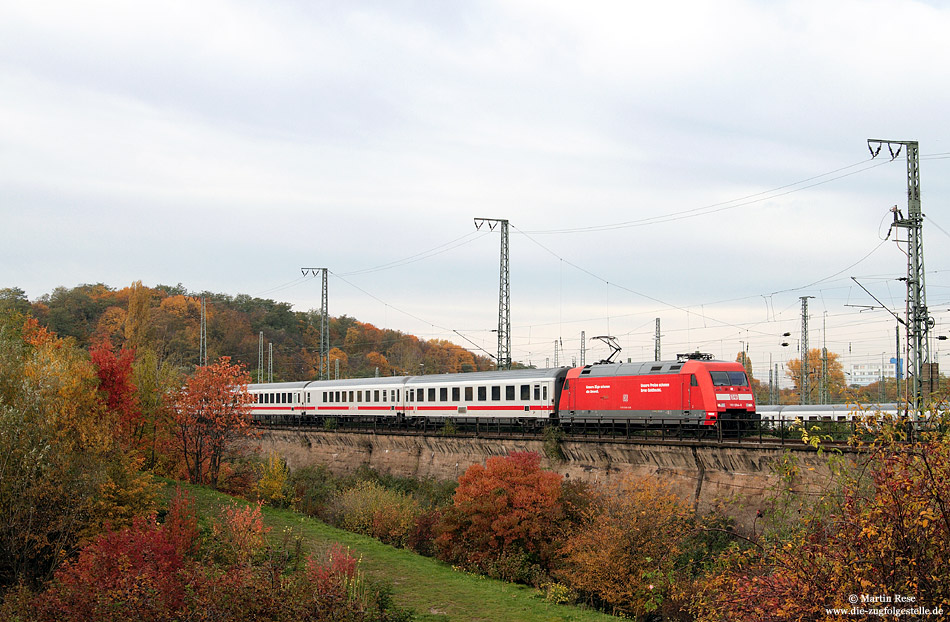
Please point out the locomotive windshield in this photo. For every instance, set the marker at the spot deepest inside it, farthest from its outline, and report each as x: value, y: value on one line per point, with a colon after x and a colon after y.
x: 729, y: 379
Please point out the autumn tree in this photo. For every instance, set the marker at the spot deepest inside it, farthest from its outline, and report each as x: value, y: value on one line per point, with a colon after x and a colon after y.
x: 14, y: 300
x: 888, y: 533
x: 379, y: 363
x: 137, y: 325
x: 61, y: 477
x: 338, y: 357
x: 117, y: 386
x: 623, y: 554
x: 836, y: 384
x: 211, y: 411
x: 503, y: 518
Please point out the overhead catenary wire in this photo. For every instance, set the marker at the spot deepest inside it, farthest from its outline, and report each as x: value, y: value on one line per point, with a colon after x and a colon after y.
x: 688, y: 309
x: 751, y: 199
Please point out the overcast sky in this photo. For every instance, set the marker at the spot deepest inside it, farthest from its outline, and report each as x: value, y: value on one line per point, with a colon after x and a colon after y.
x: 700, y: 162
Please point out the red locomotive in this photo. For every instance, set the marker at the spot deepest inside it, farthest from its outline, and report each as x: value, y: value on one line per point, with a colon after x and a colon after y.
x: 693, y: 389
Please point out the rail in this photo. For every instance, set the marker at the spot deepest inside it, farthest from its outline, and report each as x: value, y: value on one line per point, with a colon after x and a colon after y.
x: 771, y: 431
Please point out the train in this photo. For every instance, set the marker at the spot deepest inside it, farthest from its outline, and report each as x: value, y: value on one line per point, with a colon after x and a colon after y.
x: 814, y: 413
x: 693, y: 390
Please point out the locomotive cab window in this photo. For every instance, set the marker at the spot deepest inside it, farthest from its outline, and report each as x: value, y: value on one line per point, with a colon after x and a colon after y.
x: 692, y: 380
x: 729, y: 379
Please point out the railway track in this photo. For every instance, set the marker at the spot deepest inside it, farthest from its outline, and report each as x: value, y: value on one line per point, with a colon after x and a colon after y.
x: 768, y: 434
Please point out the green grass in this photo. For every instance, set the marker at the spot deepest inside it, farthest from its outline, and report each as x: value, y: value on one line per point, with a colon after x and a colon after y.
x: 432, y: 589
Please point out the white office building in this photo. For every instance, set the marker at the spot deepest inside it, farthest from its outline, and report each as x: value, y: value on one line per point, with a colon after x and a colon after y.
x: 863, y: 374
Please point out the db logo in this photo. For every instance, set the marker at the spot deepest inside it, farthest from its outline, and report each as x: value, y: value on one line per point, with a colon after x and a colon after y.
x: 734, y: 396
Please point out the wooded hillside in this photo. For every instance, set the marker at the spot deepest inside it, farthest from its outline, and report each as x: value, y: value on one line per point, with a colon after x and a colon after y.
x: 167, y: 320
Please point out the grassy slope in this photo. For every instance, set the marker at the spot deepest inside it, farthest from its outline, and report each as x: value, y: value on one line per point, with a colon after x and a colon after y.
x: 429, y: 587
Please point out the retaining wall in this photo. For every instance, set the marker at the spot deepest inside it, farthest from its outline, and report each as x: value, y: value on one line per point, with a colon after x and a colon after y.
x: 737, y: 478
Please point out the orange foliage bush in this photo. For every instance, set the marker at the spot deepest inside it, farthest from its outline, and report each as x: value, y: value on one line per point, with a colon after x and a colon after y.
x: 624, y: 551
x: 157, y: 572
x: 504, y: 518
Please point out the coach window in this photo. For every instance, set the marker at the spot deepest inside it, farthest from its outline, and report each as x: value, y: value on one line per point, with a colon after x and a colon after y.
x: 359, y: 396
x: 525, y: 392
x: 537, y: 392
x: 496, y: 393
x: 443, y: 394
x: 343, y: 395
x: 510, y: 392
x: 432, y: 395
x: 420, y: 395
x: 468, y: 394
x: 456, y: 394
x: 351, y: 396
x: 482, y: 394
x: 544, y: 391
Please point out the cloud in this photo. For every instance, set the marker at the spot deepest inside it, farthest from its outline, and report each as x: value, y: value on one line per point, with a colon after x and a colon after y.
x: 227, y: 144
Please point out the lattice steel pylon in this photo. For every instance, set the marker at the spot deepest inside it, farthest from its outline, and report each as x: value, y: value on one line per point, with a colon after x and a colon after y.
x: 324, y: 372
x: 504, y: 293
x: 805, y: 398
x: 203, y: 337
x: 260, y: 357
x: 918, y: 321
